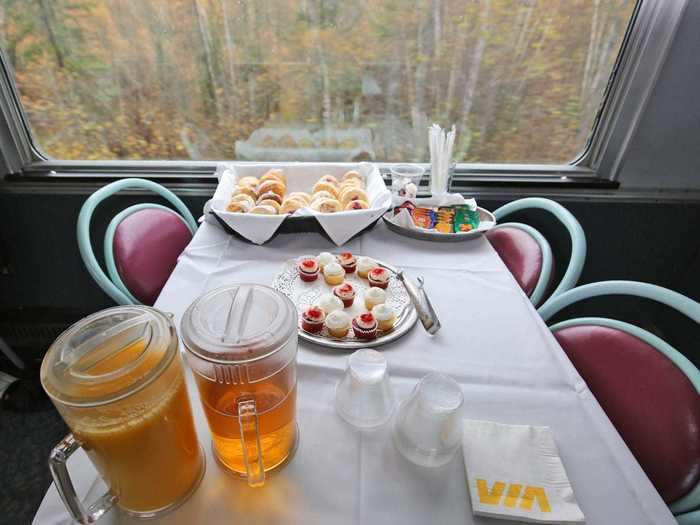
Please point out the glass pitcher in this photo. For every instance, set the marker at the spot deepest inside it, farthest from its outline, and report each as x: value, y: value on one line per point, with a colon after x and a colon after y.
x: 116, y: 378
x: 241, y: 343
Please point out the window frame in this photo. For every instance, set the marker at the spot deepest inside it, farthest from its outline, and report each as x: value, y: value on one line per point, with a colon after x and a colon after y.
x: 645, y: 45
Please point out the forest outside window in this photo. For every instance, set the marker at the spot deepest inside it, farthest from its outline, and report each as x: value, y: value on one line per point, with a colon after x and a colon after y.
x: 311, y: 80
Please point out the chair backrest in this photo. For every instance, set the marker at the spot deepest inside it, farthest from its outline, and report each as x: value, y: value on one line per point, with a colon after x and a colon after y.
x: 677, y: 301
x: 116, y: 288
x: 578, y: 243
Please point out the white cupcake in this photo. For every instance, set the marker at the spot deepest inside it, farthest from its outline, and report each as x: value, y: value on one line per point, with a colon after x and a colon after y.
x: 333, y: 273
x: 364, y: 265
x: 329, y: 303
x: 338, y: 323
x: 325, y: 258
x: 373, y: 297
x: 385, y: 316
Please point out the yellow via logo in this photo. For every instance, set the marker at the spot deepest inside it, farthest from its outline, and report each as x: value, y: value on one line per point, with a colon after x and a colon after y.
x: 515, y: 491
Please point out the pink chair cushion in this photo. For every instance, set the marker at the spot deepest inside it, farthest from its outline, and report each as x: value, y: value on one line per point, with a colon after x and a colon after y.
x: 520, y: 253
x: 649, y: 400
x: 146, y: 247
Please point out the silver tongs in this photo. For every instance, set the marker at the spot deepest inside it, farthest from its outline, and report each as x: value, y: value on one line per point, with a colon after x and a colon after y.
x: 424, y: 308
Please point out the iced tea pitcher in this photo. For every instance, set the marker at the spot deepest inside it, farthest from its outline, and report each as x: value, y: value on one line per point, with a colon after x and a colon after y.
x: 241, y: 343
x: 116, y: 378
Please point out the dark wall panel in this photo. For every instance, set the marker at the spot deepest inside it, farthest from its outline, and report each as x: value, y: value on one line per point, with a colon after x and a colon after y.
x: 652, y: 242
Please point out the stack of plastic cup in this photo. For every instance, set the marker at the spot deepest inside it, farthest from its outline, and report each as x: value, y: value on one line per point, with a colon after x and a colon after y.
x: 428, y: 427
x: 364, y: 397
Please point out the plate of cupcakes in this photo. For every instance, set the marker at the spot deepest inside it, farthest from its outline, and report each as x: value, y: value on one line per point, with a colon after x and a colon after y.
x: 346, y: 301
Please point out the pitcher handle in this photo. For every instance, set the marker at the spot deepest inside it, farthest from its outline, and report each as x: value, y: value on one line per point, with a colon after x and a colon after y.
x: 250, y: 437
x: 59, y: 470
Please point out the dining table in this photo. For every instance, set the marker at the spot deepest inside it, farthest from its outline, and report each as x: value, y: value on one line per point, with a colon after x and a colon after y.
x: 508, y: 364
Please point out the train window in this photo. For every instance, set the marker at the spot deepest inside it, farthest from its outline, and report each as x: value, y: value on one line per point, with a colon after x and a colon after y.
x: 315, y: 80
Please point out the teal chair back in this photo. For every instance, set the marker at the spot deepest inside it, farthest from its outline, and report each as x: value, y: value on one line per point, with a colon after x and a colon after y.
x: 577, y: 258
x: 112, y: 283
x: 684, y: 305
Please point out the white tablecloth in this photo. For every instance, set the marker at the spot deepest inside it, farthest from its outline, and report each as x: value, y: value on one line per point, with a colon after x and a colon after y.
x: 492, y: 342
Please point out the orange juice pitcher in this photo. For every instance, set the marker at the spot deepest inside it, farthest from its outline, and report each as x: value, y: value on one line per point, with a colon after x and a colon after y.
x: 241, y: 343
x: 116, y: 378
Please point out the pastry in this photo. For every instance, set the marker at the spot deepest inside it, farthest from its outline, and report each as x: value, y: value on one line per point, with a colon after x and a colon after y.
x: 274, y: 174
x: 329, y: 303
x: 325, y: 258
x: 364, y: 265
x: 269, y: 195
x: 272, y: 185
x: 321, y: 195
x: 238, y: 207
x: 378, y: 277
x: 326, y: 205
x: 352, y: 174
x: 300, y: 195
x: 338, y: 323
x: 356, y: 205
x: 348, y: 261
x: 312, y: 319
x: 373, y: 297
x: 242, y: 197
x: 385, y: 316
x: 365, y: 326
x: 270, y: 202
x: 351, y: 183
x: 249, y: 181
x: 325, y: 186
x: 263, y: 209
x: 308, y: 269
x: 347, y: 187
x: 346, y: 293
x: 333, y: 273
x: 330, y: 179
x: 292, y: 205
x: 351, y: 194
x: 247, y: 190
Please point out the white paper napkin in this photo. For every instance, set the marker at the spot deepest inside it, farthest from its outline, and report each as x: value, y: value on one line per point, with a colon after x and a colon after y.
x: 446, y: 199
x: 301, y: 176
x: 514, y: 472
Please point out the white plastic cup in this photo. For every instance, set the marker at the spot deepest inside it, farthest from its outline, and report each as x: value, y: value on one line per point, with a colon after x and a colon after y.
x: 428, y: 427
x: 364, y: 397
x: 404, y: 174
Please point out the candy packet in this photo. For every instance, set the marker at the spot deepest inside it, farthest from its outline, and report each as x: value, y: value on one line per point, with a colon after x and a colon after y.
x: 424, y: 218
x: 445, y: 218
x: 465, y: 220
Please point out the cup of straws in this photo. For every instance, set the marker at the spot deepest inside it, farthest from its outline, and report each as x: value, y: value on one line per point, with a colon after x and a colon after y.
x: 441, y: 166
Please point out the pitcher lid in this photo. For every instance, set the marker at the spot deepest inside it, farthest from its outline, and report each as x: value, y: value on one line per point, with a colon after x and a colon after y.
x: 108, y: 355
x: 238, y: 323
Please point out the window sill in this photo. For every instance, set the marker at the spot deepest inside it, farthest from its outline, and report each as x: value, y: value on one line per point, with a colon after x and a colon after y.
x: 197, y: 172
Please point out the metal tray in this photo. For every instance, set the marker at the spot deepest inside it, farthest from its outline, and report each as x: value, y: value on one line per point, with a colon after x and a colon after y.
x: 435, y: 236
x: 304, y: 295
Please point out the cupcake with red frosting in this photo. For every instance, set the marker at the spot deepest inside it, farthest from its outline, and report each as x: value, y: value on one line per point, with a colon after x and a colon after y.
x: 365, y: 326
x: 312, y: 319
x: 378, y: 277
x: 346, y: 293
x: 308, y: 269
x: 348, y: 261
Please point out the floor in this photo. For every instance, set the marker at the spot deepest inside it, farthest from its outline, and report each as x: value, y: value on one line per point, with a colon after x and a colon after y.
x: 26, y: 438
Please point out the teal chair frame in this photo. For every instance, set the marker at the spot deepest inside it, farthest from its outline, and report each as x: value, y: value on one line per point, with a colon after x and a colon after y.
x: 675, y: 300
x: 578, y: 243
x: 112, y: 284
x: 691, y: 518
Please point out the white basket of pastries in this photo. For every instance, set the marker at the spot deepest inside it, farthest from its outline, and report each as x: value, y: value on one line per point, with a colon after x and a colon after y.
x: 254, y: 200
